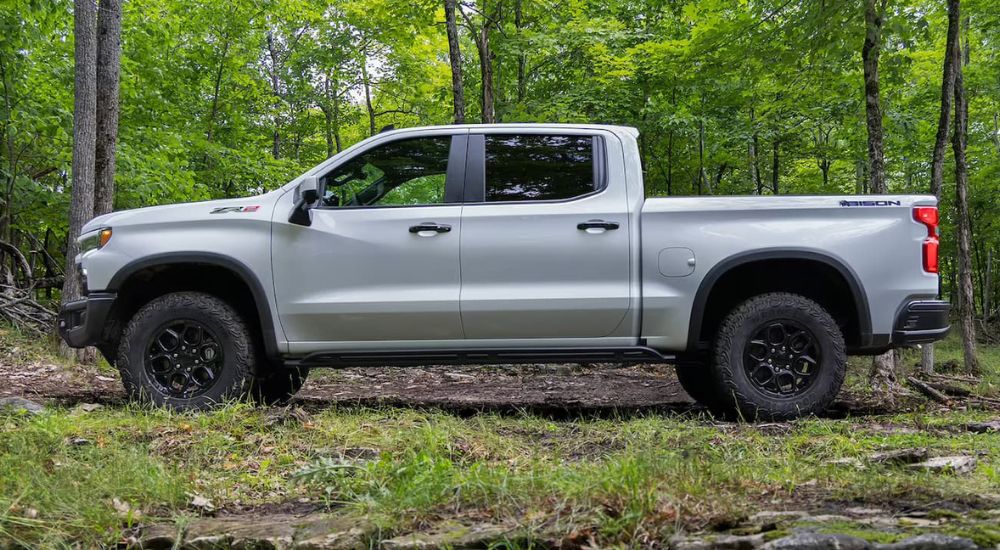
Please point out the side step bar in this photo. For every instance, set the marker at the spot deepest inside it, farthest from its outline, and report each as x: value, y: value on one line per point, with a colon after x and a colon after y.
x: 376, y: 358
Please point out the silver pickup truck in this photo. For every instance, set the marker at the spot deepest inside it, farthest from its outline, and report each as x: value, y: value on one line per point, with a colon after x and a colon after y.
x: 505, y: 244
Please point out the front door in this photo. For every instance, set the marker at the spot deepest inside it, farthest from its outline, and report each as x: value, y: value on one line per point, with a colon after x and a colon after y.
x: 380, y: 262
x: 545, y: 239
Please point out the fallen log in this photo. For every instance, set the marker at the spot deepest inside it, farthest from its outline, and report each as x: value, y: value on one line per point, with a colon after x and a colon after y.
x: 949, y: 389
x: 953, y: 378
x: 927, y: 390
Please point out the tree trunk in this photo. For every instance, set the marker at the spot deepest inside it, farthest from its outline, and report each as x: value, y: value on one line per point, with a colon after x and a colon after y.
x: 701, y: 155
x: 959, y: 141
x: 486, y: 72
x: 215, y: 91
x: 988, y: 285
x: 455, y: 55
x: 109, y: 30
x: 883, y: 371
x: 522, y: 57
x: 670, y: 163
x: 775, y: 172
x: 951, y: 53
x: 874, y: 13
x: 276, y: 90
x: 859, y: 175
x: 327, y: 116
x: 996, y: 132
x: 368, y: 94
x: 754, y: 155
x: 84, y: 137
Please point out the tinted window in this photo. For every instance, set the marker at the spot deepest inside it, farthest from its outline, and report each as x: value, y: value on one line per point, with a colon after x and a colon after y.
x: 537, y: 168
x: 405, y: 172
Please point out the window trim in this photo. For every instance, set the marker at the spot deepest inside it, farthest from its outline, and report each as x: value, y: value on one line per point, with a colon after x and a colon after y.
x: 454, y: 188
x: 475, y: 168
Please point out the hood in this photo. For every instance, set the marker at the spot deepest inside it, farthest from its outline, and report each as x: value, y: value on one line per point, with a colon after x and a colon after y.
x: 258, y: 206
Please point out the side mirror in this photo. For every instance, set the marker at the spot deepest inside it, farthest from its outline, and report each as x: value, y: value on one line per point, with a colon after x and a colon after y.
x: 308, y: 194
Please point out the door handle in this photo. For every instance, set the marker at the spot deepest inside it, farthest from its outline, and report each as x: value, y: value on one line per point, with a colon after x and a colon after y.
x: 597, y: 224
x: 428, y: 227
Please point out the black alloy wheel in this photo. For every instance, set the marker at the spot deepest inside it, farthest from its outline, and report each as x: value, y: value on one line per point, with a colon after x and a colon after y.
x: 184, y: 359
x: 782, y: 358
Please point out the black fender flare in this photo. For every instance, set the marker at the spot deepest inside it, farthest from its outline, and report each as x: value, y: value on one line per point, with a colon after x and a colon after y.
x: 240, y: 269
x: 721, y: 268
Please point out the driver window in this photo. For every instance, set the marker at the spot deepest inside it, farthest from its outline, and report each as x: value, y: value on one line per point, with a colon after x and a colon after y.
x: 407, y: 172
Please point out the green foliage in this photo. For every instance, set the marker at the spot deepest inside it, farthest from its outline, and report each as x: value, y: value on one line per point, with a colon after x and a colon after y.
x: 222, y: 99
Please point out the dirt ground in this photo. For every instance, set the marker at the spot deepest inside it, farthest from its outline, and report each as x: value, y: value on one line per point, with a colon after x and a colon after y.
x: 530, y: 387
x: 558, y: 390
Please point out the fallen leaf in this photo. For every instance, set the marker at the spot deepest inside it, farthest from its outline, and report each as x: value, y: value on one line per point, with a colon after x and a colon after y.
x: 124, y: 509
x: 200, y: 502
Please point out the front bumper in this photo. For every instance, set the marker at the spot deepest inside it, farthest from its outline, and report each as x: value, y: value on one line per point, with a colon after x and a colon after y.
x: 82, y: 322
x: 921, y: 322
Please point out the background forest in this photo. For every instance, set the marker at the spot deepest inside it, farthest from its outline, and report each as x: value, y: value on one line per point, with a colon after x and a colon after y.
x: 223, y: 99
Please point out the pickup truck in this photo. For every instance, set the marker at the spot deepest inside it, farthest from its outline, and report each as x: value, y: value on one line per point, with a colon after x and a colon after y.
x: 505, y: 244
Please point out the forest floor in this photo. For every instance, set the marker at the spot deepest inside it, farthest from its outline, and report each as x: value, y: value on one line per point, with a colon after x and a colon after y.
x: 557, y: 455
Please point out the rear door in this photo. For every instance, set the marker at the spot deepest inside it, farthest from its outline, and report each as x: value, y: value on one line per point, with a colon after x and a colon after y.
x: 545, y: 237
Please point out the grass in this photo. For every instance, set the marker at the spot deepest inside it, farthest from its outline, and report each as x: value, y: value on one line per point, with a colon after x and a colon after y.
x: 69, y: 476
x: 620, y: 477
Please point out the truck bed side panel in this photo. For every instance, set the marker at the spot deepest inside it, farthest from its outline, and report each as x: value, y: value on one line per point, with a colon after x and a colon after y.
x: 879, y: 245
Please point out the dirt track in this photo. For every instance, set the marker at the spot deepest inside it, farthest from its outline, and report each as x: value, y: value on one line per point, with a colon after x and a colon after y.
x: 535, y: 387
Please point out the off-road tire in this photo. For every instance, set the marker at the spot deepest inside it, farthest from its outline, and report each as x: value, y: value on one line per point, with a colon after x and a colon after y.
x: 697, y: 380
x: 278, y: 384
x: 237, y: 365
x: 739, y: 396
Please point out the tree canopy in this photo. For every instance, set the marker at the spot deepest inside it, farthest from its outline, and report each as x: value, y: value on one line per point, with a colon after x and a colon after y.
x: 223, y: 99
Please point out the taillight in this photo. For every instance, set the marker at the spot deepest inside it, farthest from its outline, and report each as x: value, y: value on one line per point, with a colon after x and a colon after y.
x: 928, y: 215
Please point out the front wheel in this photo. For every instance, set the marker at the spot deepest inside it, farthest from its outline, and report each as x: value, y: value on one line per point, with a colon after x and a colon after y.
x: 778, y: 356
x: 187, y: 351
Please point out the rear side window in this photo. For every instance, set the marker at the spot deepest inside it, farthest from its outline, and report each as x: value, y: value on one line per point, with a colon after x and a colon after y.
x: 539, y: 167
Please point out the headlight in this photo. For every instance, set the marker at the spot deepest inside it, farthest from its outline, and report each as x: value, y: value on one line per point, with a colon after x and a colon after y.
x: 94, y: 240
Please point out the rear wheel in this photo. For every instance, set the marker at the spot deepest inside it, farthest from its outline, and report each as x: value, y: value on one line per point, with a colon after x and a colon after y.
x: 778, y: 356
x: 186, y: 350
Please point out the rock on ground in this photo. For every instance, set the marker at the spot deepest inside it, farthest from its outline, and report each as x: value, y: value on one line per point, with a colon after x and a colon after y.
x: 818, y: 541
x: 456, y: 537
x: 21, y: 404
x: 933, y: 541
x: 950, y: 464
x: 276, y: 532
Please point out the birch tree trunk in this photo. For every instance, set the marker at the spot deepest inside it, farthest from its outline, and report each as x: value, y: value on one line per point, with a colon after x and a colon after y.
x: 109, y: 30
x: 455, y: 56
x: 84, y: 137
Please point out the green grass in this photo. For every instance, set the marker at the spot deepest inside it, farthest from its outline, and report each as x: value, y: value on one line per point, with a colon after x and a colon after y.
x: 623, y: 478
